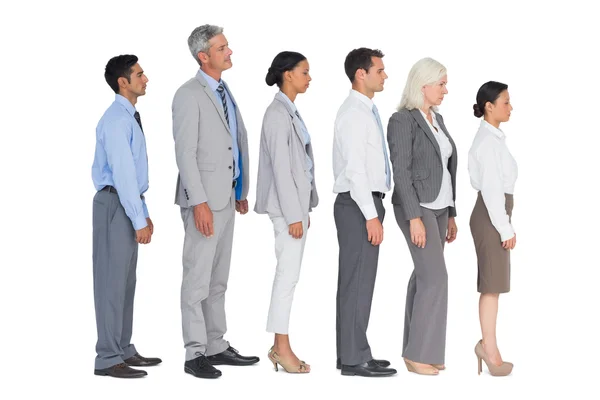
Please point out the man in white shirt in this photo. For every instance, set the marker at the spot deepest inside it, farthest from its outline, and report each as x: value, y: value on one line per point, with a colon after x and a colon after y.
x: 362, y: 176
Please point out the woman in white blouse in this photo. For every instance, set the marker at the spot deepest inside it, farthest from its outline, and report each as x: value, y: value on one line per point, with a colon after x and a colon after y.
x: 424, y: 160
x: 493, y: 172
x: 286, y: 191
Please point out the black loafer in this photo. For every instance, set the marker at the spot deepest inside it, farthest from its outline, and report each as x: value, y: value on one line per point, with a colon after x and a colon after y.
x: 121, y: 370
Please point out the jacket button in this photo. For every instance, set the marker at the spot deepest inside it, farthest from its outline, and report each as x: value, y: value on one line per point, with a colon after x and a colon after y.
x: 230, y: 167
x: 229, y: 148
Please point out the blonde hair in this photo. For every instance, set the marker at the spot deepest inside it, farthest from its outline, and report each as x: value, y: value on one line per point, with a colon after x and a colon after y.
x: 426, y: 71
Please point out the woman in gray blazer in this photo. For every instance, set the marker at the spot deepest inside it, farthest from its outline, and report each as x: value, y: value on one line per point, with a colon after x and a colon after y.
x: 286, y: 192
x: 424, y: 157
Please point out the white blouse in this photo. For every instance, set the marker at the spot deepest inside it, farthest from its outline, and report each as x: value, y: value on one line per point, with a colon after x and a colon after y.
x: 444, y: 198
x: 493, y: 171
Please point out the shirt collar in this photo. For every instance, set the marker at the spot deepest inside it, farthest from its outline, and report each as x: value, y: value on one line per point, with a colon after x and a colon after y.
x: 358, y: 95
x: 496, y: 131
x: 212, y: 83
x: 125, y: 103
x: 425, y: 115
x: 288, y: 101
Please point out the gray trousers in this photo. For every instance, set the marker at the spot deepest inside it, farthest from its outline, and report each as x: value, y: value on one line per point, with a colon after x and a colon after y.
x: 427, y: 292
x: 206, y: 264
x: 356, y: 279
x: 114, y: 259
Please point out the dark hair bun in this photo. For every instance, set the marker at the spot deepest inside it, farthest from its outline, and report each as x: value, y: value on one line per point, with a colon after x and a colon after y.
x: 271, y: 77
x: 477, y: 111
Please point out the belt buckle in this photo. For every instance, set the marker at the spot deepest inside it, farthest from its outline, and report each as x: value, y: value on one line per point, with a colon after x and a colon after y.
x: 234, y: 184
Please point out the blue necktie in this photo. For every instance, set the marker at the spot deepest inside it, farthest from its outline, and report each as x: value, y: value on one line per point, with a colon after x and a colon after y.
x: 385, y: 152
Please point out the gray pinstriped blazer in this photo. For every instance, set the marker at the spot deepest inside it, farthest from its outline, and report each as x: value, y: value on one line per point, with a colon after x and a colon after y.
x: 416, y: 161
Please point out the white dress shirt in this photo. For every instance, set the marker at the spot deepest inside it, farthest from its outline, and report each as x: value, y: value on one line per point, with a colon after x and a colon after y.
x: 444, y: 198
x: 359, y: 164
x: 493, y: 171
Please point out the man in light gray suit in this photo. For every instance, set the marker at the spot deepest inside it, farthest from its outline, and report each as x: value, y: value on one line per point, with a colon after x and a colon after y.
x: 211, y: 149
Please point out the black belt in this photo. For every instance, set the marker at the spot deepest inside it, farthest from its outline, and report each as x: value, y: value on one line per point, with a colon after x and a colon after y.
x: 379, y: 195
x: 111, y: 189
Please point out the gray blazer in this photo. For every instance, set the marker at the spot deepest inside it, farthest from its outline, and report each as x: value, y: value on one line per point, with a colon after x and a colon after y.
x: 282, y: 185
x: 203, y: 147
x: 416, y: 161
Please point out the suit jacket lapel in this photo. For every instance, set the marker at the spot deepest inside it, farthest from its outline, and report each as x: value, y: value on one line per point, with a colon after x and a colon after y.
x: 295, y: 120
x: 211, y: 95
x: 416, y: 113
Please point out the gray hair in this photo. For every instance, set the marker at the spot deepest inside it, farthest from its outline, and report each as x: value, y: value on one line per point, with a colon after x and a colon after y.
x: 199, y: 38
x: 426, y: 71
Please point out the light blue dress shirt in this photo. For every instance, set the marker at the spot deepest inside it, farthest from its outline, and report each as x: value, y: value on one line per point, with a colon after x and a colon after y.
x: 213, y: 84
x: 305, y: 134
x: 121, y: 160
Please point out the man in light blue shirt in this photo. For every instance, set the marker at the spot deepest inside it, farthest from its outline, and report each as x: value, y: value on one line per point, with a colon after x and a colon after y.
x: 120, y: 219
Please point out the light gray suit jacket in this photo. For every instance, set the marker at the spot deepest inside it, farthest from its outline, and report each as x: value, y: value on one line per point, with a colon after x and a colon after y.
x: 416, y: 161
x: 203, y: 147
x: 283, y: 187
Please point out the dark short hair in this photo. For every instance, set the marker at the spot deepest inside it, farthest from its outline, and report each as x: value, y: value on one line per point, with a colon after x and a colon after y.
x: 489, y: 91
x: 284, y: 61
x: 117, y: 67
x: 360, y: 59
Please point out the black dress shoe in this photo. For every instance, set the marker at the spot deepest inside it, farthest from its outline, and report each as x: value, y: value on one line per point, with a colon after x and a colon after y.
x: 231, y: 357
x: 121, y: 370
x: 370, y: 369
x: 383, y: 363
x: 137, y: 360
x: 200, y: 367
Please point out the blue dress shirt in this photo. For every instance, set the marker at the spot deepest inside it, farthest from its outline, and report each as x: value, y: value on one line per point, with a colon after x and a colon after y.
x: 121, y: 160
x: 213, y: 84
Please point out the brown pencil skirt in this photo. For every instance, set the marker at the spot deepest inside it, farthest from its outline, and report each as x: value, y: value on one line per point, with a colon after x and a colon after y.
x: 493, y: 261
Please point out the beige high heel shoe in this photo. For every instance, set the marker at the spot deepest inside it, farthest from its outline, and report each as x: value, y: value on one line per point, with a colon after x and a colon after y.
x: 430, y: 370
x: 495, y: 370
x: 292, y: 369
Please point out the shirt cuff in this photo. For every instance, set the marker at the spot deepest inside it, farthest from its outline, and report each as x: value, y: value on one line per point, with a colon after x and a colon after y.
x: 369, y: 211
x: 140, y: 222
x: 145, y: 209
x: 507, y: 233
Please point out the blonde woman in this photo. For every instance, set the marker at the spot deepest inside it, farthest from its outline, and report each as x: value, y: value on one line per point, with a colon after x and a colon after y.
x: 424, y: 163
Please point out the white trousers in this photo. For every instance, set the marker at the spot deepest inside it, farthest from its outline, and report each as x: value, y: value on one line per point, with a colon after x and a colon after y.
x: 289, y: 253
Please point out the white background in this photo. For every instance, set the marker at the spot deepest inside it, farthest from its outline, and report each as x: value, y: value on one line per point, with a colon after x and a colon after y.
x: 53, y: 94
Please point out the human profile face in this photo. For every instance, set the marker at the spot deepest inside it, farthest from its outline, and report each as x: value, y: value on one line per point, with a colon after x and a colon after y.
x: 433, y: 94
x: 218, y: 57
x: 137, y: 82
x: 375, y: 76
x: 299, y: 77
x: 500, y: 110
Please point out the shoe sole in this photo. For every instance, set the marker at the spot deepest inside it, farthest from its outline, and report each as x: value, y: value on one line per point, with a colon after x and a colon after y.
x: 351, y: 373
x: 233, y: 365
x: 191, y: 372
x: 100, y: 373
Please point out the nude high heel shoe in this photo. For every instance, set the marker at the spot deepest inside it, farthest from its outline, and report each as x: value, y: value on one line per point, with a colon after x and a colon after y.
x: 430, y: 370
x: 292, y: 369
x: 495, y: 370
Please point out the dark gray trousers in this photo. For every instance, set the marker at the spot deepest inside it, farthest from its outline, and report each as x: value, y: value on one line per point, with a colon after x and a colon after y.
x: 114, y: 258
x: 427, y: 293
x: 356, y: 279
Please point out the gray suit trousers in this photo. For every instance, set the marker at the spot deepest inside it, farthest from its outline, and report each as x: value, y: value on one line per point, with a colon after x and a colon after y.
x: 356, y: 279
x: 427, y: 293
x: 206, y: 264
x: 114, y: 259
